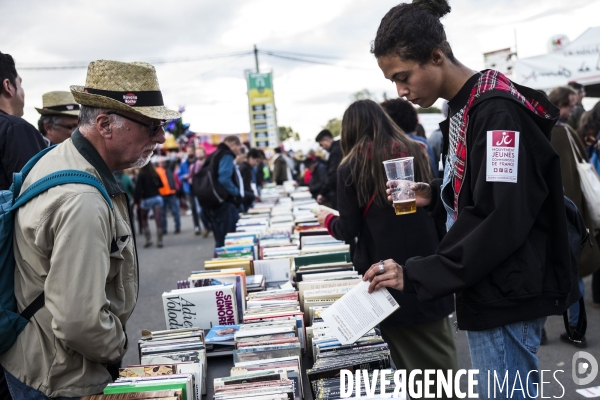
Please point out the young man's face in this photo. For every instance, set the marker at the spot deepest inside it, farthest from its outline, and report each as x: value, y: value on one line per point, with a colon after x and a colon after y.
x: 419, y: 84
x: 17, y: 95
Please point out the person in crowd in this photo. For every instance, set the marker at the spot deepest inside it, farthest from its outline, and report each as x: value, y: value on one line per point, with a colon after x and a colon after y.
x: 318, y: 170
x: 263, y: 172
x: 168, y: 192
x: 419, y: 333
x: 578, y: 110
x: 406, y: 117
x: 195, y: 167
x: 307, y: 172
x: 281, y: 169
x: 570, y: 150
x: 19, y: 140
x: 497, y: 221
x: 76, y: 247
x: 420, y: 131
x: 246, y: 162
x: 589, y: 130
x: 329, y: 190
x: 58, y: 116
x: 125, y: 183
x: 147, y: 196
x: 185, y: 175
x: 224, y: 174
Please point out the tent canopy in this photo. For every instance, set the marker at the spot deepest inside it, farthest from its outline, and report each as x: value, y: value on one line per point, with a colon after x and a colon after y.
x: 577, y: 62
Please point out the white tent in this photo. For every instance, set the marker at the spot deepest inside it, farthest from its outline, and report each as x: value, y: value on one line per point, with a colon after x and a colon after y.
x: 577, y: 62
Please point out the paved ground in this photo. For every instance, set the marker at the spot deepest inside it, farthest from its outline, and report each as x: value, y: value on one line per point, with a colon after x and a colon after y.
x: 161, y: 268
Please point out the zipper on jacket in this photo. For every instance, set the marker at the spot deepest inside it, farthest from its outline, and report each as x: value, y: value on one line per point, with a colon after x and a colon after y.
x: 456, y: 324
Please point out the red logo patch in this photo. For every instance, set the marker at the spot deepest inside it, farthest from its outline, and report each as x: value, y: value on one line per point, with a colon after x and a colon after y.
x: 130, y: 99
x: 503, y: 138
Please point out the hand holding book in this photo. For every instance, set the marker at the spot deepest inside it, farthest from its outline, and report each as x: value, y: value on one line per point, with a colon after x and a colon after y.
x: 391, y: 277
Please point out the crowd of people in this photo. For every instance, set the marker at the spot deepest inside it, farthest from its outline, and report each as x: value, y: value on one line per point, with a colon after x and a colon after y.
x: 493, y: 251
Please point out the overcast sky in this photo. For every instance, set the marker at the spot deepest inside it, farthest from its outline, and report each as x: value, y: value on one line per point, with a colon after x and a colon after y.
x: 214, y: 91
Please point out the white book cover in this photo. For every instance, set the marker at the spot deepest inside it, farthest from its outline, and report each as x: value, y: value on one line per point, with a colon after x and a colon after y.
x: 200, y: 307
x: 358, y: 311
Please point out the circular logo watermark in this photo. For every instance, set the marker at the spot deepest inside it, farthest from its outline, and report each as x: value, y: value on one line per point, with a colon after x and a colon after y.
x: 581, y: 367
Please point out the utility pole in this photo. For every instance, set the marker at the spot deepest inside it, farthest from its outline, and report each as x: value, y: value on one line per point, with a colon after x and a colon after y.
x: 256, y: 58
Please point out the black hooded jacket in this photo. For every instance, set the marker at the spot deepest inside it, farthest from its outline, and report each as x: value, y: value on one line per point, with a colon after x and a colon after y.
x: 506, y: 257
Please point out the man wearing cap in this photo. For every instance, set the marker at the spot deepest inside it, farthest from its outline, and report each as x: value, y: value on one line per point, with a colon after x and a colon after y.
x: 19, y: 140
x: 58, y: 118
x: 77, y: 249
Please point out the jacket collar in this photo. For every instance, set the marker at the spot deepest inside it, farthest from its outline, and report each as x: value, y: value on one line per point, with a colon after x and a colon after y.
x: 460, y: 99
x: 85, y: 148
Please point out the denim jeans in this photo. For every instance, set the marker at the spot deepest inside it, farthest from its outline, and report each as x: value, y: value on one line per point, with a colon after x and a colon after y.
x: 20, y: 391
x: 574, y: 309
x: 171, y: 202
x: 151, y: 202
x: 504, y: 352
x: 223, y: 220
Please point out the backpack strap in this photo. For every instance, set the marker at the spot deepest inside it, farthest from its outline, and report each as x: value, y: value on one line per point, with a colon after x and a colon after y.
x: 19, y: 177
x: 34, y: 307
x: 579, y: 332
x: 60, y: 178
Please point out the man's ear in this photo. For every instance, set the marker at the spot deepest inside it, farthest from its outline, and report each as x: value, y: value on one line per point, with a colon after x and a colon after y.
x: 8, y: 88
x: 104, y: 126
x: 437, y: 57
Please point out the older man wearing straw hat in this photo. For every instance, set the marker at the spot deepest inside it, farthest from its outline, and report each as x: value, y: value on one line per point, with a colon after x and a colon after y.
x: 58, y: 118
x: 79, y: 250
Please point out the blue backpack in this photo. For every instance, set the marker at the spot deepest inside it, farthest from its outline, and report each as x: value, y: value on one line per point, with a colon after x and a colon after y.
x: 11, y: 321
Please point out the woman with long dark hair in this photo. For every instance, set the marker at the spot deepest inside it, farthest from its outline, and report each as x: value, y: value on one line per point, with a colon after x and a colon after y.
x: 148, y: 198
x: 419, y: 334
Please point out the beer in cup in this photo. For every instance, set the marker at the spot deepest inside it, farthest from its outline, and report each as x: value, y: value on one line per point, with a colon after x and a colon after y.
x: 400, y: 175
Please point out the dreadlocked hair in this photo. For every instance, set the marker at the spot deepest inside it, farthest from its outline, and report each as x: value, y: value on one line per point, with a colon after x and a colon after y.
x: 412, y: 31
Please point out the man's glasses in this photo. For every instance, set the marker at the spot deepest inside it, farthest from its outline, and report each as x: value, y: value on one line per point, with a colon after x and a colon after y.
x: 153, y: 128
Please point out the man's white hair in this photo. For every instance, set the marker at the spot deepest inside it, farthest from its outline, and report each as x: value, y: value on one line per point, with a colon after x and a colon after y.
x: 88, y: 115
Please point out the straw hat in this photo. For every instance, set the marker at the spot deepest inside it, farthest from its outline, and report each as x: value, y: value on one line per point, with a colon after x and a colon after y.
x: 59, y: 103
x: 123, y: 86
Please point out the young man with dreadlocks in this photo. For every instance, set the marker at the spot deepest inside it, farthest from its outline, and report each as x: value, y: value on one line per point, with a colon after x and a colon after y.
x: 506, y: 254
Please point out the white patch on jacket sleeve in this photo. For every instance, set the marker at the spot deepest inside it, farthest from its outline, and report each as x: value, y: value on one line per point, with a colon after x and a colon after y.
x: 502, y: 160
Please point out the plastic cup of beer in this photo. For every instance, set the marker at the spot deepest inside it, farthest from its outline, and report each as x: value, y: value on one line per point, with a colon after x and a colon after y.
x: 400, y: 175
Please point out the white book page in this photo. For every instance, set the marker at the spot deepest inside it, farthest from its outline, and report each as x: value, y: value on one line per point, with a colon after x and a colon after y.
x: 357, y: 312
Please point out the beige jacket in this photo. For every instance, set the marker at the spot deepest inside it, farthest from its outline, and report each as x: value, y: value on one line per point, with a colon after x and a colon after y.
x: 63, y: 243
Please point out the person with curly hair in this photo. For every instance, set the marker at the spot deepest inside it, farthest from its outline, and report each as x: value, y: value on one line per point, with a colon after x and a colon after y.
x: 506, y: 252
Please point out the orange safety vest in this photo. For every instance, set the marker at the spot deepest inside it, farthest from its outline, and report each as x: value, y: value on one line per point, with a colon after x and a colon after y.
x: 165, y: 190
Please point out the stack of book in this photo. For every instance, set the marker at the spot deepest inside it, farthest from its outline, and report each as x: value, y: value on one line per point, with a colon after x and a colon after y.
x: 268, y: 384
x: 220, y: 340
x: 276, y: 305
x: 256, y: 283
x: 325, y: 265
x: 149, y: 395
x: 169, y: 360
x: 233, y: 276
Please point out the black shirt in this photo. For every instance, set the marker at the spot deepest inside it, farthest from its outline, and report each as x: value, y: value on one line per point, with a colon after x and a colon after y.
x: 19, y: 141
